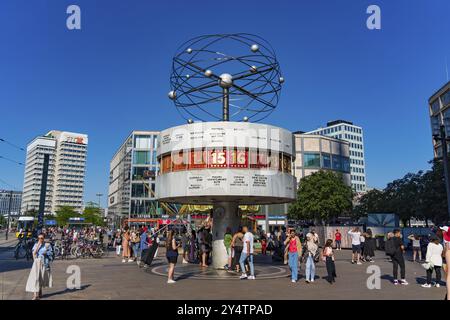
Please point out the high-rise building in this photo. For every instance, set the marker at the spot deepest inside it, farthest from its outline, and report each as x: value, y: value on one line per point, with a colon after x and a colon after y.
x: 347, y: 131
x: 16, y: 200
x: 132, y: 177
x: 439, y: 108
x: 66, y: 175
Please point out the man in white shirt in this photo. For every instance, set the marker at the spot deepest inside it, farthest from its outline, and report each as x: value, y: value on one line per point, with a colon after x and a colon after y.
x: 247, y: 252
x: 355, y: 234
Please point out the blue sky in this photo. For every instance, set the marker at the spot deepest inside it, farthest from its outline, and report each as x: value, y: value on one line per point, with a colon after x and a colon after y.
x: 113, y: 75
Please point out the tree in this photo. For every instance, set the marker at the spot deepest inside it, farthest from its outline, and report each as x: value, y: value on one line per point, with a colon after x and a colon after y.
x: 64, y: 213
x: 92, y: 214
x: 321, y: 196
x: 372, y: 201
x: 420, y: 195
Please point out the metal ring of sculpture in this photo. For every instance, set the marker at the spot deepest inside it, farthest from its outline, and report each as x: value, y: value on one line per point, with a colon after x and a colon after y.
x: 225, y: 77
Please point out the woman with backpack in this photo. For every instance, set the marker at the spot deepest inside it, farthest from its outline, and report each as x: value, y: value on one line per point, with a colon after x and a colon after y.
x: 311, y: 257
x: 328, y: 258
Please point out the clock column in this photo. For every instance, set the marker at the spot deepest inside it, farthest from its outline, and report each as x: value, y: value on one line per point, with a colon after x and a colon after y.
x: 225, y: 214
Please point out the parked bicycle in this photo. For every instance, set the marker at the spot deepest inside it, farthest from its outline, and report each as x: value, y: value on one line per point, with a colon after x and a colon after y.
x: 23, y: 248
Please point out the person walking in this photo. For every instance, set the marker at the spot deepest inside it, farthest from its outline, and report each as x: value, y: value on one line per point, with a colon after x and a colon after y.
x: 40, y: 274
x: 118, y: 242
x: 337, y: 239
x: 204, y: 246
x: 416, y: 246
x: 144, y: 243
x: 433, y: 261
x: 294, y: 248
x: 237, y: 245
x: 395, y: 248
x: 310, y: 253
x: 369, y: 246
x: 328, y: 257
x: 185, y: 246
x: 135, y: 242
x: 126, y: 245
x: 247, y: 252
x: 447, y: 259
x: 227, y: 239
x: 172, y: 255
x: 355, y: 235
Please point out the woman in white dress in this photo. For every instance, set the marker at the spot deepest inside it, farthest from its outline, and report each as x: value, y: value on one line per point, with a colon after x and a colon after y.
x: 40, y: 274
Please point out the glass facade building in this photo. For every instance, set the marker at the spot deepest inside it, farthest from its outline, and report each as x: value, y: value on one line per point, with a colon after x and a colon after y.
x: 347, y: 131
x: 132, y: 178
x: 316, y: 152
x: 439, y: 109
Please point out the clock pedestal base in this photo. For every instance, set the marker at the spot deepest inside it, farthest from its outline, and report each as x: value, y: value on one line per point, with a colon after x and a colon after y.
x: 225, y: 214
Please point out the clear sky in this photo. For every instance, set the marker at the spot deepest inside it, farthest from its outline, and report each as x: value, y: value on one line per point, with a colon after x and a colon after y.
x: 113, y: 75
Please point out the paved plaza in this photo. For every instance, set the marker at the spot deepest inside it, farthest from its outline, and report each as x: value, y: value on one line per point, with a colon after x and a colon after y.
x: 109, y: 278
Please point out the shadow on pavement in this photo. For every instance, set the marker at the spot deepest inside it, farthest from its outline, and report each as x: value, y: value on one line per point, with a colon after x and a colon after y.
x: 65, y: 291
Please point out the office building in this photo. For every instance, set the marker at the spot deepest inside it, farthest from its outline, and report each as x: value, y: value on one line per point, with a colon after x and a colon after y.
x: 66, y: 175
x: 347, y: 131
x: 439, y: 109
x: 133, y: 169
x: 316, y: 152
x: 7, y: 198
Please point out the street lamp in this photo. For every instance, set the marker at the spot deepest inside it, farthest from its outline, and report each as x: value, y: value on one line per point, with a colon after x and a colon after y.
x: 443, y: 139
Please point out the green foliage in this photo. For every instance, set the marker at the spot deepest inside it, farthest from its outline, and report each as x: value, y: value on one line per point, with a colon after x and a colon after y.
x: 64, y: 213
x: 321, y: 196
x: 420, y: 195
x: 92, y: 214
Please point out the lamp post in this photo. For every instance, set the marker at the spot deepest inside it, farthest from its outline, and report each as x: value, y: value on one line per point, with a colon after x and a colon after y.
x: 443, y: 139
x: 9, y: 214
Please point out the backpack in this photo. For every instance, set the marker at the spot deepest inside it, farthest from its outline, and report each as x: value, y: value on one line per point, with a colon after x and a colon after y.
x: 389, y: 247
x: 49, y: 253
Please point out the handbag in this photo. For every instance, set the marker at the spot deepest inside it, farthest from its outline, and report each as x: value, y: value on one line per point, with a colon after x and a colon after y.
x: 427, y: 265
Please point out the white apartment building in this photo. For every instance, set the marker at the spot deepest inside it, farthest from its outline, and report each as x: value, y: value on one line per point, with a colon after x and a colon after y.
x: 66, y: 175
x: 347, y: 131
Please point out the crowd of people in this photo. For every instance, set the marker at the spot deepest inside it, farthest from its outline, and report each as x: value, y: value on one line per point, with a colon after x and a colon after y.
x: 284, y: 246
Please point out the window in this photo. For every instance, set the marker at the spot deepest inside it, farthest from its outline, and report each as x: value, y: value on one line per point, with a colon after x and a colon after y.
x: 326, y: 160
x: 445, y: 98
x: 142, y: 142
x: 141, y: 173
x: 138, y: 191
x: 336, y: 163
x: 311, y: 160
x: 345, y: 164
x: 141, y: 157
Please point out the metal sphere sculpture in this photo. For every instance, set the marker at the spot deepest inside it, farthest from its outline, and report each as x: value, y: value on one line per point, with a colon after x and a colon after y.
x: 225, y: 77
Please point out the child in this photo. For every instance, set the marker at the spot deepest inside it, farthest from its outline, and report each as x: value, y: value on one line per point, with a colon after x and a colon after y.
x: 434, y: 261
x: 328, y: 258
